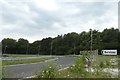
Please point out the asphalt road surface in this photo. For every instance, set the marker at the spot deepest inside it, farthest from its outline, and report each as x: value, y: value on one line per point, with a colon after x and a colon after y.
x: 26, y: 70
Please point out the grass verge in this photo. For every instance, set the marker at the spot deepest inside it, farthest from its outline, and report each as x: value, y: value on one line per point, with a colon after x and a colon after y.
x: 105, y: 61
x: 13, y: 62
x: 67, y: 73
x: 19, y: 56
x: 78, y: 70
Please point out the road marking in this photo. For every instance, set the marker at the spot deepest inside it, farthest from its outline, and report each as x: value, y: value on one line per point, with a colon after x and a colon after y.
x: 32, y: 63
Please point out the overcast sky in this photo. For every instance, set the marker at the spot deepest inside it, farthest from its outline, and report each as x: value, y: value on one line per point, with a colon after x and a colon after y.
x: 37, y: 19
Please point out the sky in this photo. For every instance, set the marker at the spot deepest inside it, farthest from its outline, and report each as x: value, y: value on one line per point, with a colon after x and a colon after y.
x: 37, y: 19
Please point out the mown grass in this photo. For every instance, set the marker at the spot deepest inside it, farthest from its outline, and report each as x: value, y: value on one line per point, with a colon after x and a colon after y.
x: 19, y: 56
x: 13, y: 62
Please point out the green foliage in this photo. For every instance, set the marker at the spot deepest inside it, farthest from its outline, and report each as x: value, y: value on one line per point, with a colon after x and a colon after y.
x: 70, y: 43
x: 22, y: 46
x: 99, y: 74
x: 34, y: 48
x: 8, y: 46
x: 79, y: 66
x: 78, y: 70
x: 13, y: 62
x: 102, y: 65
x: 49, y: 72
x: 3, y: 73
x: 108, y: 63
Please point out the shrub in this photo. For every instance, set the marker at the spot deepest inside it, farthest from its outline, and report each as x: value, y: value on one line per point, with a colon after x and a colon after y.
x: 79, y: 66
x: 48, y: 72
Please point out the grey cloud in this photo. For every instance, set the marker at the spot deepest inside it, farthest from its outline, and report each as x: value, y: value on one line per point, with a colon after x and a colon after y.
x: 43, y: 20
x: 119, y: 16
x: 38, y: 22
x: 93, y: 11
x: 90, y: 9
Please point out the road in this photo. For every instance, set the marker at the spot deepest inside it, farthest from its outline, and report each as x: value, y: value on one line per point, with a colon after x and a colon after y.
x: 26, y: 70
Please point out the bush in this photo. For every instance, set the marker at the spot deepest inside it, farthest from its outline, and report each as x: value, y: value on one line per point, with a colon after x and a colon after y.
x: 79, y: 66
x: 49, y: 72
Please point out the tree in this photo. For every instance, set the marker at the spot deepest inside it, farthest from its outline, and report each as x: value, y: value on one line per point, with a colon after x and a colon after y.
x: 70, y: 43
x: 34, y: 47
x: 8, y: 46
x: 110, y: 38
x: 110, y: 35
x: 71, y: 40
x: 46, y: 46
x: 22, y: 46
x: 58, y: 46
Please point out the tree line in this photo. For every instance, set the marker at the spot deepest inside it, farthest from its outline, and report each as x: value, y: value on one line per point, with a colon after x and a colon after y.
x: 70, y: 43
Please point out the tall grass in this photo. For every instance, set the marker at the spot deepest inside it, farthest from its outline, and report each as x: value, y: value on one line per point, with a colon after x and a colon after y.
x: 79, y: 67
